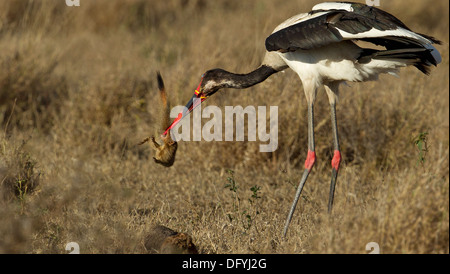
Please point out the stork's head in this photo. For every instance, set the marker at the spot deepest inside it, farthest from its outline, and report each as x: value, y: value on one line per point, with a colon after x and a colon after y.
x: 212, y: 81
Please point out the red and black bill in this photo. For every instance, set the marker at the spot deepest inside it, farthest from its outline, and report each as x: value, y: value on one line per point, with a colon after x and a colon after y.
x: 194, y: 102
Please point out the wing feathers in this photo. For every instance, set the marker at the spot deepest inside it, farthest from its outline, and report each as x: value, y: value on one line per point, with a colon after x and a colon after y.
x: 309, y: 34
x: 334, y: 22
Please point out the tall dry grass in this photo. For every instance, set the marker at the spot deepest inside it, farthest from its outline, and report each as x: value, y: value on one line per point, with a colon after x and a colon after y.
x: 78, y: 92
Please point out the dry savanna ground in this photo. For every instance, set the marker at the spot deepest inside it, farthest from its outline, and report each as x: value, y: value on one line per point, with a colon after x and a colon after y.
x: 78, y: 92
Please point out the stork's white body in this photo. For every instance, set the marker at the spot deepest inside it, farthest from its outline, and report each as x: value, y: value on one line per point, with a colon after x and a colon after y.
x: 335, y: 63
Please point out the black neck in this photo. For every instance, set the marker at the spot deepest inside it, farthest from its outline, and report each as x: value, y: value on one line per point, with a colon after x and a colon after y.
x: 232, y: 80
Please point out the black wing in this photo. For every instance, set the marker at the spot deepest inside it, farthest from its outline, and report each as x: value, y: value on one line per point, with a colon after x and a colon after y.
x: 309, y: 34
x: 323, y: 30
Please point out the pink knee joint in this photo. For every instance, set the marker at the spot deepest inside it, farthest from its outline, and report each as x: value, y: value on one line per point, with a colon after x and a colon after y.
x: 336, y: 160
x: 310, y: 160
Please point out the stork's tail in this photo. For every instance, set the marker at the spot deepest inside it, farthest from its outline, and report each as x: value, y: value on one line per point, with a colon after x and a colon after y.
x: 404, y: 50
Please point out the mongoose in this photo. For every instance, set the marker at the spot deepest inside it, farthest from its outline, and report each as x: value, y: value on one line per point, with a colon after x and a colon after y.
x: 165, y: 153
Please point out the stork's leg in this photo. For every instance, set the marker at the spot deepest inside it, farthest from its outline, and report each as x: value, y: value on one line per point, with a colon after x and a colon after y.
x: 310, y: 160
x: 332, y: 90
x: 336, y: 157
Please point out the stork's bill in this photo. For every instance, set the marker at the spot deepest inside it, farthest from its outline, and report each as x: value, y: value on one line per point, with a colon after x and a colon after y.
x: 194, y: 102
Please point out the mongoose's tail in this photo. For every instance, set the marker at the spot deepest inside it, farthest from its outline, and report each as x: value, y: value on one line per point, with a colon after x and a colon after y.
x: 165, y: 118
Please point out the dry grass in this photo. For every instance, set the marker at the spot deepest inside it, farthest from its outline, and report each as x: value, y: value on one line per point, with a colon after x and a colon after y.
x: 78, y: 92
